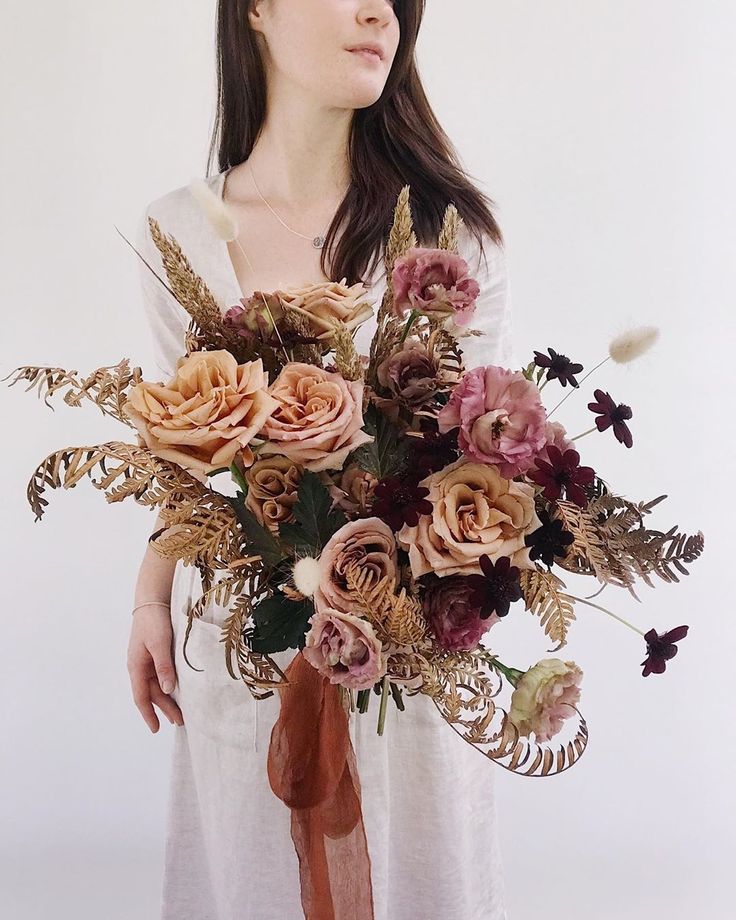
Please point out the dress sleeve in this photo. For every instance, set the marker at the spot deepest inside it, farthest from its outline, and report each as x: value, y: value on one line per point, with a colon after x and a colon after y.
x: 168, y: 321
x: 493, y: 312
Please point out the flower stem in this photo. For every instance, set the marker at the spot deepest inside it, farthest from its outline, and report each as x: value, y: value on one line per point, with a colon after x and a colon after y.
x: 409, y: 323
x: 578, y: 387
x: 382, y: 707
x: 583, y: 433
x: 582, y: 600
x: 238, y: 477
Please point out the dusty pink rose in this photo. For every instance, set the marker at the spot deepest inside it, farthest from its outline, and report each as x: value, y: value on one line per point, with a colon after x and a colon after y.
x: 434, y: 282
x: 414, y: 373
x: 370, y: 543
x: 501, y: 418
x: 345, y: 649
x: 319, y: 417
x: 476, y: 512
x: 544, y: 696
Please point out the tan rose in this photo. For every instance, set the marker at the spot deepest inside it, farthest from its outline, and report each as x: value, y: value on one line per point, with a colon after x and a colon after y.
x: 326, y: 302
x: 273, y: 483
x: 318, y: 420
x: 351, y: 489
x: 206, y: 414
x: 367, y: 541
x: 476, y: 512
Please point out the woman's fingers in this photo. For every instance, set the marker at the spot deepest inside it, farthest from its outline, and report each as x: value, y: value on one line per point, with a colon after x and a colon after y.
x: 140, y: 681
x: 165, y: 703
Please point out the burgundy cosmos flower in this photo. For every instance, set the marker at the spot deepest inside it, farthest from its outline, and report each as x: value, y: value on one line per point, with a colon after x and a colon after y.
x: 433, y: 451
x: 559, y: 367
x: 399, y: 500
x: 497, y: 588
x: 611, y: 414
x: 549, y: 540
x: 660, y: 648
x: 563, y: 474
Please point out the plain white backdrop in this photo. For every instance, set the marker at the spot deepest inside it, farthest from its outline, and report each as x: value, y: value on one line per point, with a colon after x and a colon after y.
x: 605, y: 133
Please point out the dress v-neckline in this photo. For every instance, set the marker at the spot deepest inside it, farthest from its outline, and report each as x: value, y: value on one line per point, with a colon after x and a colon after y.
x: 219, y: 189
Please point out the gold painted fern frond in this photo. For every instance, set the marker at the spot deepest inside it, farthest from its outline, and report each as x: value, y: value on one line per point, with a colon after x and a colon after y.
x: 542, y: 597
x: 106, y: 386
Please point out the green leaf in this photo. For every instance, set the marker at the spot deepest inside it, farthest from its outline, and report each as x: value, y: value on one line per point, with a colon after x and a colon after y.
x: 387, y: 453
x: 260, y: 539
x: 315, y: 519
x: 280, y: 623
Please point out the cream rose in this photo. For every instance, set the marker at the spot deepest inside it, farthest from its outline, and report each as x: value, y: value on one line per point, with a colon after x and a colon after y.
x: 206, y: 414
x: 273, y: 484
x: 476, y: 512
x: 367, y: 541
x: 319, y: 417
x: 545, y: 696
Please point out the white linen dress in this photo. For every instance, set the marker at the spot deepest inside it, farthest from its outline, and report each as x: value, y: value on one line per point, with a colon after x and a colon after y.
x: 427, y: 795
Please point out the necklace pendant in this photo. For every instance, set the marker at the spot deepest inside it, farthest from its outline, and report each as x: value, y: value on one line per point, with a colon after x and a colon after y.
x: 318, y: 242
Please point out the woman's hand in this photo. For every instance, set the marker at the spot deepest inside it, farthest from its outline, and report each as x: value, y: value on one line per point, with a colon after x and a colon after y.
x: 151, y: 665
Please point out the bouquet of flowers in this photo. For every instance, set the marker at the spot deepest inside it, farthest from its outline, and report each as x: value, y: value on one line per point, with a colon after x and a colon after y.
x: 385, y: 512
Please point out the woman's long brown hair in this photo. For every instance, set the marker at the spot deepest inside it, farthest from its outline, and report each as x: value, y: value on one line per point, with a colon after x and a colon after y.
x: 396, y: 141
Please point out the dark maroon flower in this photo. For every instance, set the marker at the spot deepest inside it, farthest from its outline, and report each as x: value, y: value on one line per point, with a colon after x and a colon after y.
x: 433, y: 451
x: 449, y: 608
x: 549, y: 540
x: 611, y: 414
x: 660, y: 648
x: 497, y: 588
x: 562, y: 474
x: 559, y: 367
x: 399, y: 500
x: 291, y: 338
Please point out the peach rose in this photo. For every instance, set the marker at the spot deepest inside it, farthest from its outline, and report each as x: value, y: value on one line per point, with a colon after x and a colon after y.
x: 476, y: 512
x: 545, y: 696
x: 367, y: 541
x: 319, y: 417
x: 324, y: 303
x: 273, y: 484
x: 206, y: 414
x: 345, y: 649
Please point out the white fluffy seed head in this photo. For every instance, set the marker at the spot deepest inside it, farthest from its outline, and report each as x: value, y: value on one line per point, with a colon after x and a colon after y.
x: 215, y: 210
x: 307, y: 575
x: 633, y: 343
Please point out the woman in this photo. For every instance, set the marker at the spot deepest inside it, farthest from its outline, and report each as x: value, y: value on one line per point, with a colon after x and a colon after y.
x: 316, y: 139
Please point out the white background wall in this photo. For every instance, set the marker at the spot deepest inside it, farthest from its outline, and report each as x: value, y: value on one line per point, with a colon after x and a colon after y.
x: 605, y: 133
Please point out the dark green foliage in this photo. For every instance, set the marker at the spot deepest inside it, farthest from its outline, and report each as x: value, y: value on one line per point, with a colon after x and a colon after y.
x: 279, y: 623
x: 386, y: 455
x: 315, y: 520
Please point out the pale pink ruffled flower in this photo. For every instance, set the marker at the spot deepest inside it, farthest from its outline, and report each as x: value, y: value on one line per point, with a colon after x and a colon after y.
x: 434, y: 282
x: 501, y: 418
x: 545, y: 696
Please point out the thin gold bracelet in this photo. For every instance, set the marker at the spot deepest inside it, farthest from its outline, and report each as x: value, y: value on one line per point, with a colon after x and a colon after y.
x: 151, y: 604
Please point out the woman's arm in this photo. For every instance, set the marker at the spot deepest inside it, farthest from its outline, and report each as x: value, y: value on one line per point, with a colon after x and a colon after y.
x: 493, y: 312
x: 150, y: 653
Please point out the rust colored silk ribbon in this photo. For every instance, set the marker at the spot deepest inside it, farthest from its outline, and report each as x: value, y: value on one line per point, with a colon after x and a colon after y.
x: 312, y: 769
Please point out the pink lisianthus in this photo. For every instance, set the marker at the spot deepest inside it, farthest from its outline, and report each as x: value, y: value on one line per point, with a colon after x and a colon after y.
x: 345, y: 649
x: 501, y: 418
x: 434, y: 282
x: 544, y: 696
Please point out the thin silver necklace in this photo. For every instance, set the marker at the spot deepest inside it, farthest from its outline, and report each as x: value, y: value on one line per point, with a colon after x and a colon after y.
x: 317, y: 241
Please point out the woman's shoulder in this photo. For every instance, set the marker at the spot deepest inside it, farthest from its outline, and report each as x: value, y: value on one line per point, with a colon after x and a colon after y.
x: 178, y: 208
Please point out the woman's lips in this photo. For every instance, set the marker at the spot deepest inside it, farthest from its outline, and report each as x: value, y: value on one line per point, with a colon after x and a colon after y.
x: 367, y: 55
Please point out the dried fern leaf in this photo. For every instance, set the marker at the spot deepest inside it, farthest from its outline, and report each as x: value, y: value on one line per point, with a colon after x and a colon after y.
x: 542, y: 597
x: 106, y: 386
